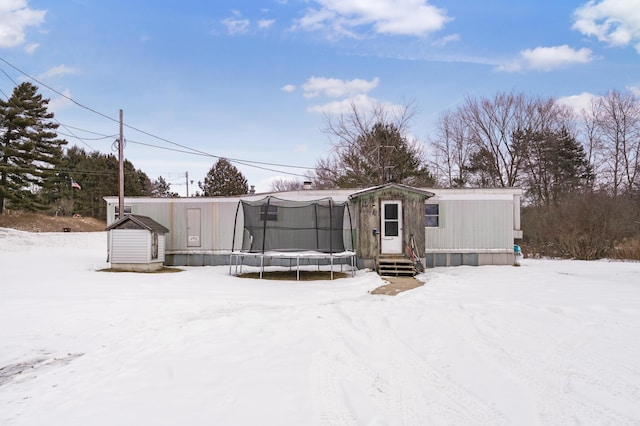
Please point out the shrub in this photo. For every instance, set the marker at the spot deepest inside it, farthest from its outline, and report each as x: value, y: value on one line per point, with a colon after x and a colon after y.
x: 585, y: 226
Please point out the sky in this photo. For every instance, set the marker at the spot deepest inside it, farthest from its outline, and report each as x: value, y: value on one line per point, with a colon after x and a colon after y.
x: 553, y: 342
x: 254, y: 81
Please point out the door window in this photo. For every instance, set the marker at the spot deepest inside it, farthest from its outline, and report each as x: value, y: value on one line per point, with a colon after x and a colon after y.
x: 391, y: 220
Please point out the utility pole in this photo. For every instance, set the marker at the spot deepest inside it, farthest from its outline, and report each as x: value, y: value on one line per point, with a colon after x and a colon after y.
x: 121, y: 171
x: 186, y: 175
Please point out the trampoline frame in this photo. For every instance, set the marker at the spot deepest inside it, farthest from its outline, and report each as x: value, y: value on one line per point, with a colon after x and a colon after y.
x: 236, y: 260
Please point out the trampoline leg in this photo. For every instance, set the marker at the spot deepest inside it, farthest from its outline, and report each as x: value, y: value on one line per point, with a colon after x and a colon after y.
x: 298, y: 268
x: 331, y: 267
x: 261, y: 265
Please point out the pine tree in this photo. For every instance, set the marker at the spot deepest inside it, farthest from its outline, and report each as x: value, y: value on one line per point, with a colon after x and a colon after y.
x: 161, y: 189
x: 381, y: 154
x: 555, y: 164
x: 97, y: 173
x: 224, y: 179
x: 572, y: 169
x: 29, y: 148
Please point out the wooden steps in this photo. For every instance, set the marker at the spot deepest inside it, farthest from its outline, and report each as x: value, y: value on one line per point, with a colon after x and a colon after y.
x: 395, y: 266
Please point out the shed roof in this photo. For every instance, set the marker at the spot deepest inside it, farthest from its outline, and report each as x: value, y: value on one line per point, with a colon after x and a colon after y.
x: 399, y: 186
x: 142, y: 222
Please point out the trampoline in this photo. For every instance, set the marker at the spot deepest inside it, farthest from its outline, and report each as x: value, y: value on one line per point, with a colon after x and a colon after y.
x: 300, y: 233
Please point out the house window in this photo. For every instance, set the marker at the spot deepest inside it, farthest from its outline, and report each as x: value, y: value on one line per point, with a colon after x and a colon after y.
x: 127, y: 210
x: 268, y: 212
x: 431, y: 215
x: 154, y: 245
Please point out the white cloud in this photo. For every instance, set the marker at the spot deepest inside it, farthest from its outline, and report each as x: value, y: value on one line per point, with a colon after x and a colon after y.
x: 615, y: 22
x: 578, y: 102
x: 443, y: 41
x: 362, y: 103
x: 61, y: 102
x: 301, y: 149
x: 31, y: 48
x: 335, y: 88
x: 265, y: 23
x: 634, y: 89
x: 236, y: 26
x: 289, y: 88
x: 513, y: 66
x: 15, y: 17
x: 58, y: 71
x: 548, y: 58
x: 396, y: 17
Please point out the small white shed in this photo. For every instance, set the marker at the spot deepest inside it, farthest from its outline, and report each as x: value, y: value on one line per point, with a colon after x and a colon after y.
x: 136, y: 243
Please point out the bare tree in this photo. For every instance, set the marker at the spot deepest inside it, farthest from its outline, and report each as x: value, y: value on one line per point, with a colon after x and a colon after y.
x: 492, y: 123
x: 482, y: 142
x: 452, y: 150
x: 618, y: 120
x: 371, y: 147
x: 281, y: 185
x: 591, y: 136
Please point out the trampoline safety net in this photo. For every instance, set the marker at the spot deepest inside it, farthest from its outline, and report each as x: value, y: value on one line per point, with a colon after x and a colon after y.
x: 273, y: 224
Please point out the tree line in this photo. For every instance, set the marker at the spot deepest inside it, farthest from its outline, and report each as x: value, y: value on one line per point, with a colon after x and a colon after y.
x: 579, y: 171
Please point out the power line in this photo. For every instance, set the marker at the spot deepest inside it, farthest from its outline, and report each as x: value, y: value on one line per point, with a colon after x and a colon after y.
x: 87, y: 139
x: 189, y: 150
x: 54, y: 119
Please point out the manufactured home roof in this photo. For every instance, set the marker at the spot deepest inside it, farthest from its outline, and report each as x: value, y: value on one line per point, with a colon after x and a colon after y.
x: 144, y: 222
x: 338, y: 195
x: 392, y: 185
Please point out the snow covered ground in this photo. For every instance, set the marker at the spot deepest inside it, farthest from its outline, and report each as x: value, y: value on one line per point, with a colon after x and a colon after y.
x: 549, y: 343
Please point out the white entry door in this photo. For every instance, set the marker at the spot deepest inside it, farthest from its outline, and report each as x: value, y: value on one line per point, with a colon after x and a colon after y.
x: 193, y: 227
x: 391, y: 235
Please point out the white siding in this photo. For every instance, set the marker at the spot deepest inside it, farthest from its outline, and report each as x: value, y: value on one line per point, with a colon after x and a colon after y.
x: 472, y: 226
x: 130, y: 246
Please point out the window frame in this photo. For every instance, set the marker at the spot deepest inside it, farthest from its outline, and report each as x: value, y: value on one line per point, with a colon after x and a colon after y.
x: 270, y: 211
x: 127, y: 211
x: 432, y: 215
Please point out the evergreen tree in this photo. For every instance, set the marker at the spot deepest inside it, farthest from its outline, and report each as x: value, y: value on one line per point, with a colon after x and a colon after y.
x: 161, y: 189
x: 572, y: 169
x: 482, y: 168
x: 98, y: 176
x: 224, y: 179
x: 379, y: 155
x: 555, y: 164
x: 29, y: 149
x: 371, y: 146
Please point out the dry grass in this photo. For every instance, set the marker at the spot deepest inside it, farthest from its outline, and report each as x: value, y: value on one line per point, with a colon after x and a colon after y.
x: 39, y: 222
x: 629, y: 249
x: 292, y: 276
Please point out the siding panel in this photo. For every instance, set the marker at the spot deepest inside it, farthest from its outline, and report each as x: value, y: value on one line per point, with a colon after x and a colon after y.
x: 472, y: 225
x: 130, y: 246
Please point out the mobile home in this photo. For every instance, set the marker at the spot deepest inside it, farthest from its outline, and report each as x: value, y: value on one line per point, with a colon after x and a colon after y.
x: 449, y: 227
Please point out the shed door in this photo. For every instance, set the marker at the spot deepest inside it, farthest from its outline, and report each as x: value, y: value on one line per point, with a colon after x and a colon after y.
x: 391, y: 235
x: 193, y: 227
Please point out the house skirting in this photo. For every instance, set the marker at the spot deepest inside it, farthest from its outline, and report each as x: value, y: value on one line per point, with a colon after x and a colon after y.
x: 433, y: 260
x: 218, y: 259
